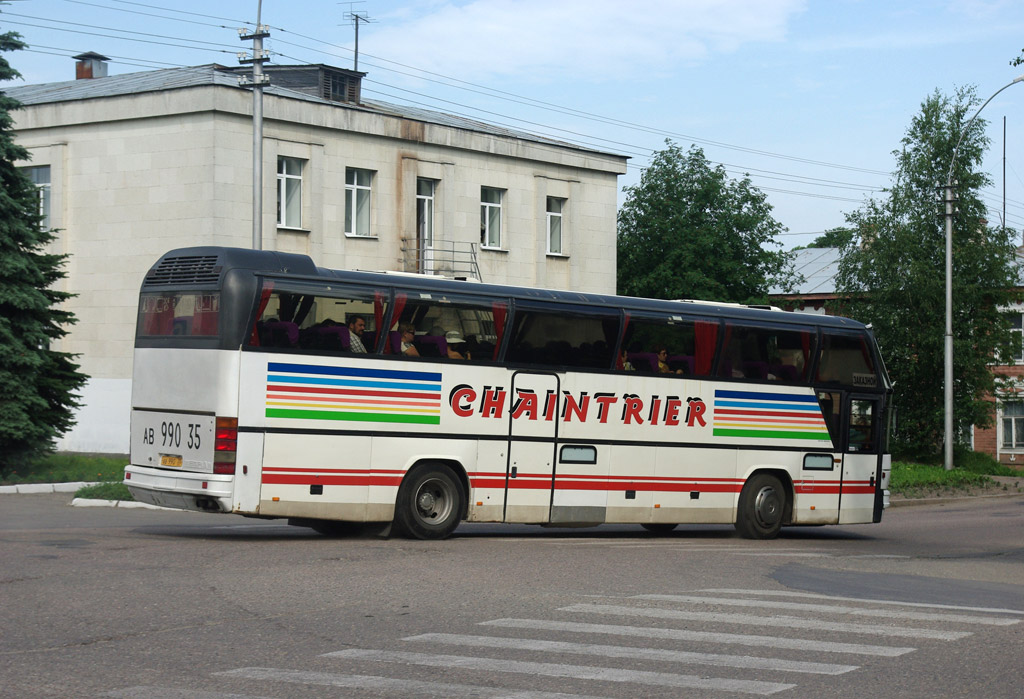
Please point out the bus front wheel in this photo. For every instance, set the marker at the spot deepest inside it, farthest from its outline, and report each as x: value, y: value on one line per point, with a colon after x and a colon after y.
x: 761, y: 507
x: 430, y: 503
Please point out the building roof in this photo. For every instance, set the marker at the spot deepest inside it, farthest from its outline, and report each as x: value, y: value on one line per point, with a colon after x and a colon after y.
x: 222, y: 76
x: 818, y: 267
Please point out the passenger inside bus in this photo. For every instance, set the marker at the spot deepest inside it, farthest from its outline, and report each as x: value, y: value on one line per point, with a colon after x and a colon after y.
x: 356, y: 327
x: 407, y: 335
x: 454, y: 338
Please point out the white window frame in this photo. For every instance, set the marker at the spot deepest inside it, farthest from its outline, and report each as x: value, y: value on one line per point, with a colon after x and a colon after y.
x: 289, y: 211
x: 425, y: 210
x: 34, y: 173
x: 491, y: 239
x: 1011, y: 427
x: 358, y: 202
x: 555, y: 217
x: 1018, y: 331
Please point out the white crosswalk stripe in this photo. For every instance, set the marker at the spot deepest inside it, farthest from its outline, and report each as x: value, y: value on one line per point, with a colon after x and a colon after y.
x: 703, y: 637
x: 578, y: 672
x: 761, y: 621
x: 835, y: 609
x: 389, y: 685
x: 814, y: 595
x: 603, y: 651
x: 662, y: 646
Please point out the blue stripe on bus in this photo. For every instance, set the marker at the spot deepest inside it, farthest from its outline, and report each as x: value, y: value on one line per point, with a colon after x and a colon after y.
x: 766, y: 406
x: 347, y: 371
x: 284, y: 380
x: 756, y: 395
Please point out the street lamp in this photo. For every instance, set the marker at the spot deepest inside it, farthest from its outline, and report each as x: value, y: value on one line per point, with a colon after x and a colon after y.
x: 948, y: 372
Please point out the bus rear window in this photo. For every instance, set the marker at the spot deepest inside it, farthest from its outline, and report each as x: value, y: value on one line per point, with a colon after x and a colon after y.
x: 184, y: 313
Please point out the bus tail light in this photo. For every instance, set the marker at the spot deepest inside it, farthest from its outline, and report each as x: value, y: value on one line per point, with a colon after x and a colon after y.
x: 225, y: 445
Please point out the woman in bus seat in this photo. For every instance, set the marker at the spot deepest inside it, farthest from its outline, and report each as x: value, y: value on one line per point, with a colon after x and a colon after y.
x: 408, y: 333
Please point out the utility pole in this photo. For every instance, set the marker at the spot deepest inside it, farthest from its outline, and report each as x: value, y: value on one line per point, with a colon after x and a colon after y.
x: 257, y: 81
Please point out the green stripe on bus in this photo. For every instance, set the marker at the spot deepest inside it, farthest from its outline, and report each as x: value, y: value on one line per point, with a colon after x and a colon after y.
x: 770, y: 434
x: 353, y: 417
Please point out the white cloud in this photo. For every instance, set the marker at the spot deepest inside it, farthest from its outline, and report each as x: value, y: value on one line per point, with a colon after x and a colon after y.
x: 588, y: 40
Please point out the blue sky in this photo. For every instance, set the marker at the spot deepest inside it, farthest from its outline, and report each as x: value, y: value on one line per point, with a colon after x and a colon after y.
x: 809, y: 98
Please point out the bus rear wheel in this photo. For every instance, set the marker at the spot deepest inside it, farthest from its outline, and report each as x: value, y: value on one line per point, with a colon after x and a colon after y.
x: 430, y: 503
x: 761, y: 507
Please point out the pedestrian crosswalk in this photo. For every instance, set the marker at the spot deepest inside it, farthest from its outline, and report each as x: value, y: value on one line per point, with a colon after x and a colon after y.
x: 703, y: 642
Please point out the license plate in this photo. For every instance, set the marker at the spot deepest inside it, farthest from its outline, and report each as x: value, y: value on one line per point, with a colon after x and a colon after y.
x: 173, y: 440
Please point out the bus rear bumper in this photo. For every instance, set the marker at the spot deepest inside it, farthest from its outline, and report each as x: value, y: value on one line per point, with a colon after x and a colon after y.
x: 181, y: 490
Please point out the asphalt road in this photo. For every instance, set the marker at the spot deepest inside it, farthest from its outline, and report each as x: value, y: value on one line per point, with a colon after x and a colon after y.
x: 142, y: 603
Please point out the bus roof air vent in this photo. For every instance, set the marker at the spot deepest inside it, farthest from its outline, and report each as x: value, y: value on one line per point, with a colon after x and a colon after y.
x: 184, y: 269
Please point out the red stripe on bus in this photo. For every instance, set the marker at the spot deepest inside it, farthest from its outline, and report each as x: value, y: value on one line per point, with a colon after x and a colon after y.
x: 360, y: 401
x: 767, y: 413
x: 436, y: 397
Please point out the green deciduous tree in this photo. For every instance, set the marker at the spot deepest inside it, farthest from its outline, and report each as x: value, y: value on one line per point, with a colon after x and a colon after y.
x: 688, y: 231
x: 37, y: 384
x: 892, y: 274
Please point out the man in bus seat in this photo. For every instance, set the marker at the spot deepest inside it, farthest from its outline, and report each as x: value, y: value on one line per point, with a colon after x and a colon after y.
x: 408, y: 334
x: 356, y: 326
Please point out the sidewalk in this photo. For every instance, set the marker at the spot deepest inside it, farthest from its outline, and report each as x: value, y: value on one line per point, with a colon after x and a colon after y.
x: 43, y: 488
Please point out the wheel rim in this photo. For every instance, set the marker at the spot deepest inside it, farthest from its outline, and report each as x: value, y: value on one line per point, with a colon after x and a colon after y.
x: 767, y: 507
x: 434, y: 501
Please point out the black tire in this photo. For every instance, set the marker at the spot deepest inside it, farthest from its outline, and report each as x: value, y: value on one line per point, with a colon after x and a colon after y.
x: 761, y: 508
x: 430, y: 503
x: 658, y: 527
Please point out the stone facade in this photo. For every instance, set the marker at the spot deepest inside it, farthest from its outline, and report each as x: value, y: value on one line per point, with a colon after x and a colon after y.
x: 144, y: 163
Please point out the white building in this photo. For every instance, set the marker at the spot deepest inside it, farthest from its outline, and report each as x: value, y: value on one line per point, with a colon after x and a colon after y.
x: 133, y: 165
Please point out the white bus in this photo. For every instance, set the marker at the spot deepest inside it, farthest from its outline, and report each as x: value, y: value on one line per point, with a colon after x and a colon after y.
x: 269, y: 387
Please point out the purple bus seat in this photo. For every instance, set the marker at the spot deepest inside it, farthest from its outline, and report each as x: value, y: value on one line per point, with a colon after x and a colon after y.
x: 755, y: 370
x: 432, y: 345
x: 681, y: 361
x: 785, y: 372
x: 281, y: 333
x: 334, y: 338
x: 646, y: 362
x: 395, y: 342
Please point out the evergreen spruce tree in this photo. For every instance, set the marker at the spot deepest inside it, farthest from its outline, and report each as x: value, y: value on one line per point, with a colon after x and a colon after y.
x: 37, y: 384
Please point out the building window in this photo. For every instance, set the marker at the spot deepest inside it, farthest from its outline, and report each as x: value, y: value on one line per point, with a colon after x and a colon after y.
x: 425, y: 211
x: 289, y: 192
x: 1013, y: 424
x: 357, y: 201
x: 490, y: 217
x: 554, y: 215
x: 1017, y: 329
x: 40, y: 177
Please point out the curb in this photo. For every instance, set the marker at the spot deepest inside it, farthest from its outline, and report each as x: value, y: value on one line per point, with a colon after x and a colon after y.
x: 122, y: 504
x: 36, y: 488
x: 914, y: 502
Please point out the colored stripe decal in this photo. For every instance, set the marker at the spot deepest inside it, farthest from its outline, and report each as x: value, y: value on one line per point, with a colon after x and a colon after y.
x: 768, y: 415
x: 315, y: 392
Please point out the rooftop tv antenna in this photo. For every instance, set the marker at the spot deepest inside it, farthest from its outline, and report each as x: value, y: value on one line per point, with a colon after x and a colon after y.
x: 356, y: 16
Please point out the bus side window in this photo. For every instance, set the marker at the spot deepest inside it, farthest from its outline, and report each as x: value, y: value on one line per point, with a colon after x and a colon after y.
x: 331, y: 320
x: 568, y: 339
x: 449, y: 326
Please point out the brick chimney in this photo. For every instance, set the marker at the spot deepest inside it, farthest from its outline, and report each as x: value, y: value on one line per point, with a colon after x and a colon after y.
x: 90, y: 65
